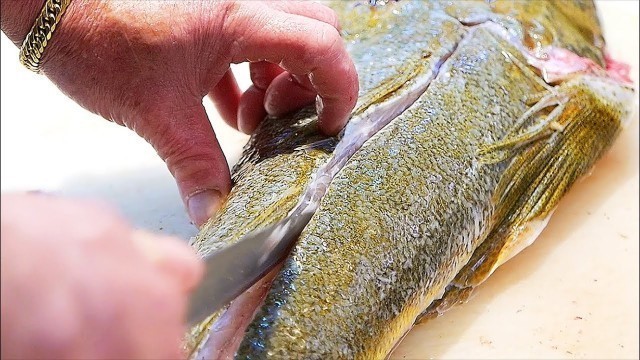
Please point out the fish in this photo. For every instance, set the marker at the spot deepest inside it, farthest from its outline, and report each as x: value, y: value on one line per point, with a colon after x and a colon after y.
x: 473, y: 120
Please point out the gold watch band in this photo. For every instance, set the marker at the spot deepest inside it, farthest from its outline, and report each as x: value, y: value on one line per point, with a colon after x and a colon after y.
x: 38, y: 37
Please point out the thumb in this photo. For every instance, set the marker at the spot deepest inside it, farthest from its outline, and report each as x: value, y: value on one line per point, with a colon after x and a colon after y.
x: 183, y: 137
x: 171, y: 256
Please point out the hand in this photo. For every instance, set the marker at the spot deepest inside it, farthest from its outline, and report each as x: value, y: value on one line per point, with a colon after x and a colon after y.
x: 77, y: 282
x: 148, y: 64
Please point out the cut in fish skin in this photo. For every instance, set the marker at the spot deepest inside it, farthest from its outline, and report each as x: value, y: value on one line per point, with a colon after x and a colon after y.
x: 455, y: 157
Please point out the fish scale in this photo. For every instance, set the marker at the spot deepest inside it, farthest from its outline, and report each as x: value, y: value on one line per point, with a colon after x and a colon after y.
x: 447, y: 168
x: 293, y: 140
x: 451, y: 214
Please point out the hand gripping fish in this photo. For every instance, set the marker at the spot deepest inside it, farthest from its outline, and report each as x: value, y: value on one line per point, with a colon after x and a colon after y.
x: 474, y: 118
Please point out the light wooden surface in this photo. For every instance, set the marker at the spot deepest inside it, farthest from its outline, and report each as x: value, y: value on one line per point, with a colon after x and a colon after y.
x: 572, y: 294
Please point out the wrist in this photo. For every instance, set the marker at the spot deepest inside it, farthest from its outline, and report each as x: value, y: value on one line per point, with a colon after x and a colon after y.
x: 17, y: 17
x: 76, y: 23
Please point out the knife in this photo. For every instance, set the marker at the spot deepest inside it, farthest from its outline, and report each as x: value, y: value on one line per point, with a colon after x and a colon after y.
x: 233, y: 269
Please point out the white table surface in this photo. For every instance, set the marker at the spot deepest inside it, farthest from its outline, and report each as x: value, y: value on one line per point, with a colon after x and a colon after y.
x: 572, y: 294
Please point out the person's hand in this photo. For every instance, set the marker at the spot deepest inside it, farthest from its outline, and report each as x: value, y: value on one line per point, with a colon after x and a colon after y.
x: 148, y: 64
x: 78, y: 282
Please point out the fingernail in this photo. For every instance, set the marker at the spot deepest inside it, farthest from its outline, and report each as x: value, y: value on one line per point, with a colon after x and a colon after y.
x: 319, y: 105
x: 201, y: 206
x: 258, y: 79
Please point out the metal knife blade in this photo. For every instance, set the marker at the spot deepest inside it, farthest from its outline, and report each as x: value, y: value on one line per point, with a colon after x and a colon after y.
x: 233, y: 269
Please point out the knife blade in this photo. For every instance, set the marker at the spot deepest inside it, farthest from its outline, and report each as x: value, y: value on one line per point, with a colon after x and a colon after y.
x: 233, y: 269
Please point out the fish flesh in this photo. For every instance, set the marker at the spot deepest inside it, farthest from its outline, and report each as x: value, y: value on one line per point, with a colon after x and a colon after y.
x: 474, y: 118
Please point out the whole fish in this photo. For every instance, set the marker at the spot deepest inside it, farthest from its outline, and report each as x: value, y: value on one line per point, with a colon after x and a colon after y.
x: 474, y: 118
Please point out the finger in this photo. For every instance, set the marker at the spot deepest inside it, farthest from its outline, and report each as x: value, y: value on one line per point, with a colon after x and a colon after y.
x: 183, y: 137
x: 251, y: 110
x: 303, y: 46
x: 262, y: 73
x: 310, y: 9
x: 288, y: 92
x: 226, y: 98
x: 171, y: 256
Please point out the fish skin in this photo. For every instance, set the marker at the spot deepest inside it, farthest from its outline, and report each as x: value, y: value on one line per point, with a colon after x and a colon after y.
x: 572, y: 25
x: 293, y: 140
x: 283, y: 154
x: 400, y: 222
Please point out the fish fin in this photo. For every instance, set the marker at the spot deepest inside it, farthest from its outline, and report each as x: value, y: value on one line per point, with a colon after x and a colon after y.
x: 500, y: 245
x: 542, y: 127
x: 452, y: 296
x: 545, y: 160
x: 539, y: 125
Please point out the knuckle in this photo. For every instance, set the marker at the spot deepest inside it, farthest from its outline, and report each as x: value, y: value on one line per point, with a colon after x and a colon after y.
x: 242, y: 22
x: 175, y: 153
x: 328, y: 44
x: 331, y: 16
x: 188, y: 163
x: 323, y: 13
x: 329, y: 38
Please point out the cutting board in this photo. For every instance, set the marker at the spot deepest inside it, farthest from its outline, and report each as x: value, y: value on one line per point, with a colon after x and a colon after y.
x: 572, y: 294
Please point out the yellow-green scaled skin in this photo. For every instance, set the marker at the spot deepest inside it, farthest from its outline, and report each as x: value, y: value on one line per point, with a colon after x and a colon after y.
x: 399, y: 220
x: 277, y: 162
x: 423, y: 208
